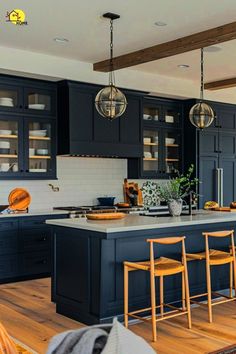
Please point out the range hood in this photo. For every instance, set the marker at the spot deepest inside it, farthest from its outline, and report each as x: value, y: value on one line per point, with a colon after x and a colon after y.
x: 83, y: 132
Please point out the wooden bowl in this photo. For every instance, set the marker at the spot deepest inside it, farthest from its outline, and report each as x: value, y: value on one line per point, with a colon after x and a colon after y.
x: 106, y: 216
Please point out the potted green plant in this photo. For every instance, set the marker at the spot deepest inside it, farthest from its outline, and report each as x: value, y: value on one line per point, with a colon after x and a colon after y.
x: 176, y: 189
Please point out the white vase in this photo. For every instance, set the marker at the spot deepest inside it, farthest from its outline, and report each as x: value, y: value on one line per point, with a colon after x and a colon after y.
x: 175, y: 207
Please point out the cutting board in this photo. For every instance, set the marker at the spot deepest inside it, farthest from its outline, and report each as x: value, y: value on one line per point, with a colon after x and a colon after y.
x: 19, y: 199
x: 106, y: 216
x: 227, y: 209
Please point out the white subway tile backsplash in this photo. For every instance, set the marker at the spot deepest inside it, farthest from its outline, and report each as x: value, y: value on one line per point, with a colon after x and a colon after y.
x: 81, y: 181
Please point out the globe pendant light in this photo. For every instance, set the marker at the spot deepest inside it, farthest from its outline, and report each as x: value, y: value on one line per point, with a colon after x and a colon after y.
x: 201, y: 115
x: 110, y: 102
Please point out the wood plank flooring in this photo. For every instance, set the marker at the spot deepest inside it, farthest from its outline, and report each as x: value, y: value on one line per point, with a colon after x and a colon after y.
x: 28, y: 314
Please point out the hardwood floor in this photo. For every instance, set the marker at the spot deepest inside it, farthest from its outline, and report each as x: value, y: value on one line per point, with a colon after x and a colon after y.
x: 29, y: 316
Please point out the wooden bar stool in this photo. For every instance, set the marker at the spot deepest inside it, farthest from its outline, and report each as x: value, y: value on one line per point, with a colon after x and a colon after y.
x: 215, y: 258
x: 159, y: 267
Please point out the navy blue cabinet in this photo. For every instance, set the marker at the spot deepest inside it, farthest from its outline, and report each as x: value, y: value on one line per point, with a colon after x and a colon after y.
x: 28, y: 114
x: 212, y: 149
x: 25, y: 247
x: 82, y: 131
x: 162, y: 155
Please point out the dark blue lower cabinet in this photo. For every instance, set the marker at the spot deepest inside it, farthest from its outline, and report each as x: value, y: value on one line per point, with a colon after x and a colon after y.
x: 88, y: 269
x: 25, y: 248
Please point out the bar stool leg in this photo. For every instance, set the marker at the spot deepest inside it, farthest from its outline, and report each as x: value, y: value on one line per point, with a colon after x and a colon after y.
x: 231, y: 279
x: 161, y: 296
x: 208, y: 275
x: 153, y: 306
x: 126, y: 295
x: 183, y: 293
x: 187, y: 297
x: 234, y: 272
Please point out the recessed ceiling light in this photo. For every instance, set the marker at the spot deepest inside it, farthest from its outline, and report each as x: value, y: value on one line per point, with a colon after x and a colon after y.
x: 61, y: 40
x: 160, y: 23
x: 212, y: 49
x: 183, y: 66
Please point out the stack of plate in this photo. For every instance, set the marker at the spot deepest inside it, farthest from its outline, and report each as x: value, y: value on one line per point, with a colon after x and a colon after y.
x: 4, y: 147
x: 40, y: 106
x: 38, y: 133
x: 6, y: 101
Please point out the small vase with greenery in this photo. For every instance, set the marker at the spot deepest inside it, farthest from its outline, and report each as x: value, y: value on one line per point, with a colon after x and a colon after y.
x: 176, y: 189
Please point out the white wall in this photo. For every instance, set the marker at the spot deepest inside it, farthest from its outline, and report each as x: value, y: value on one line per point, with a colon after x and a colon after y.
x: 81, y: 181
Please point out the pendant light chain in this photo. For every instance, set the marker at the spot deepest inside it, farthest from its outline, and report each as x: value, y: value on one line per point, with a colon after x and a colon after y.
x: 111, y: 73
x: 202, y: 76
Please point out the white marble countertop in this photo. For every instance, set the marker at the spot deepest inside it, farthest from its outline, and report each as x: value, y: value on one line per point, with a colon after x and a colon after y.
x: 34, y: 213
x: 136, y: 222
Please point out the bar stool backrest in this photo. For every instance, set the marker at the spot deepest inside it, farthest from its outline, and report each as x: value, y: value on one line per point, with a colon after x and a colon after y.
x: 226, y: 233
x: 166, y: 241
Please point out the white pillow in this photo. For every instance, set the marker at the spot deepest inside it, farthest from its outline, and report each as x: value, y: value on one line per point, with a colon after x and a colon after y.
x: 122, y: 341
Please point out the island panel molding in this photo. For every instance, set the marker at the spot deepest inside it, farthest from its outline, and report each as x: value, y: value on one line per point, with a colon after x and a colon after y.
x: 194, y: 41
x: 220, y: 84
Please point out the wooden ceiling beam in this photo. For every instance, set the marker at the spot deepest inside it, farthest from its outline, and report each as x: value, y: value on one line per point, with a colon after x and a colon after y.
x: 220, y: 84
x: 198, y: 40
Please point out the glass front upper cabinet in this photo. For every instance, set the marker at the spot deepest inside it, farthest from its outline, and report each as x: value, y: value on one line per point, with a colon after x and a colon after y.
x: 9, y: 147
x: 172, y: 144
x: 39, y: 101
x: 151, y: 153
x: 151, y: 113
x: 40, y: 147
x: 172, y: 114
x: 10, y: 98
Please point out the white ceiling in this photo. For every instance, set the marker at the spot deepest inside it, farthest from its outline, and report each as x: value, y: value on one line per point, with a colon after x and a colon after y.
x: 81, y: 23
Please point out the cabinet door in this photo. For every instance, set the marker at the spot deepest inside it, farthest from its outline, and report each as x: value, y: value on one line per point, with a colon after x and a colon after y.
x: 11, y: 98
x: 130, y: 122
x: 172, y: 114
x: 39, y: 101
x: 81, y: 109
x: 226, y: 118
x: 11, y: 146
x: 40, y: 147
x: 229, y: 179
x: 151, y: 111
x: 208, y: 143
x: 172, y: 151
x: 227, y: 144
x: 207, y: 177
x: 152, y: 153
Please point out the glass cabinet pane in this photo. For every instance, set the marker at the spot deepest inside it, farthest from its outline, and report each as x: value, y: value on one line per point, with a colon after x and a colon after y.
x: 40, y: 147
x: 171, y: 115
x: 150, y: 150
x: 9, y: 150
x: 172, y: 152
x: 8, y: 98
x: 38, y: 101
x: 151, y: 113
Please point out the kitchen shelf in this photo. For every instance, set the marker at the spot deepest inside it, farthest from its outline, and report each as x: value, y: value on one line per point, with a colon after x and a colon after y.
x: 8, y: 156
x: 172, y: 145
x: 172, y: 160
x: 39, y: 157
x: 150, y: 144
x: 9, y: 136
x: 39, y: 138
x: 150, y: 159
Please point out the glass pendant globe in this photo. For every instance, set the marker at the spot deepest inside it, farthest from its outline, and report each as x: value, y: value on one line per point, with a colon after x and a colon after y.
x: 110, y: 102
x: 201, y: 115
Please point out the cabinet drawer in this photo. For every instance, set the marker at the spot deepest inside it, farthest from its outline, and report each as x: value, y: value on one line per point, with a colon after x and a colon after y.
x: 35, y: 240
x: 8, y: 266
x: 8, y: 242
x: 33, y: 222
x: 35, y: 263
x: 8, y: 225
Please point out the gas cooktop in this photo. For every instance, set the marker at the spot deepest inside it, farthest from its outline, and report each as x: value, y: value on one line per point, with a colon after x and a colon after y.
x: 86, y: 208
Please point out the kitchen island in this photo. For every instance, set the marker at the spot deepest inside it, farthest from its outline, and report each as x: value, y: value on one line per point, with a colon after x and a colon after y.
x: 87, y: 282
